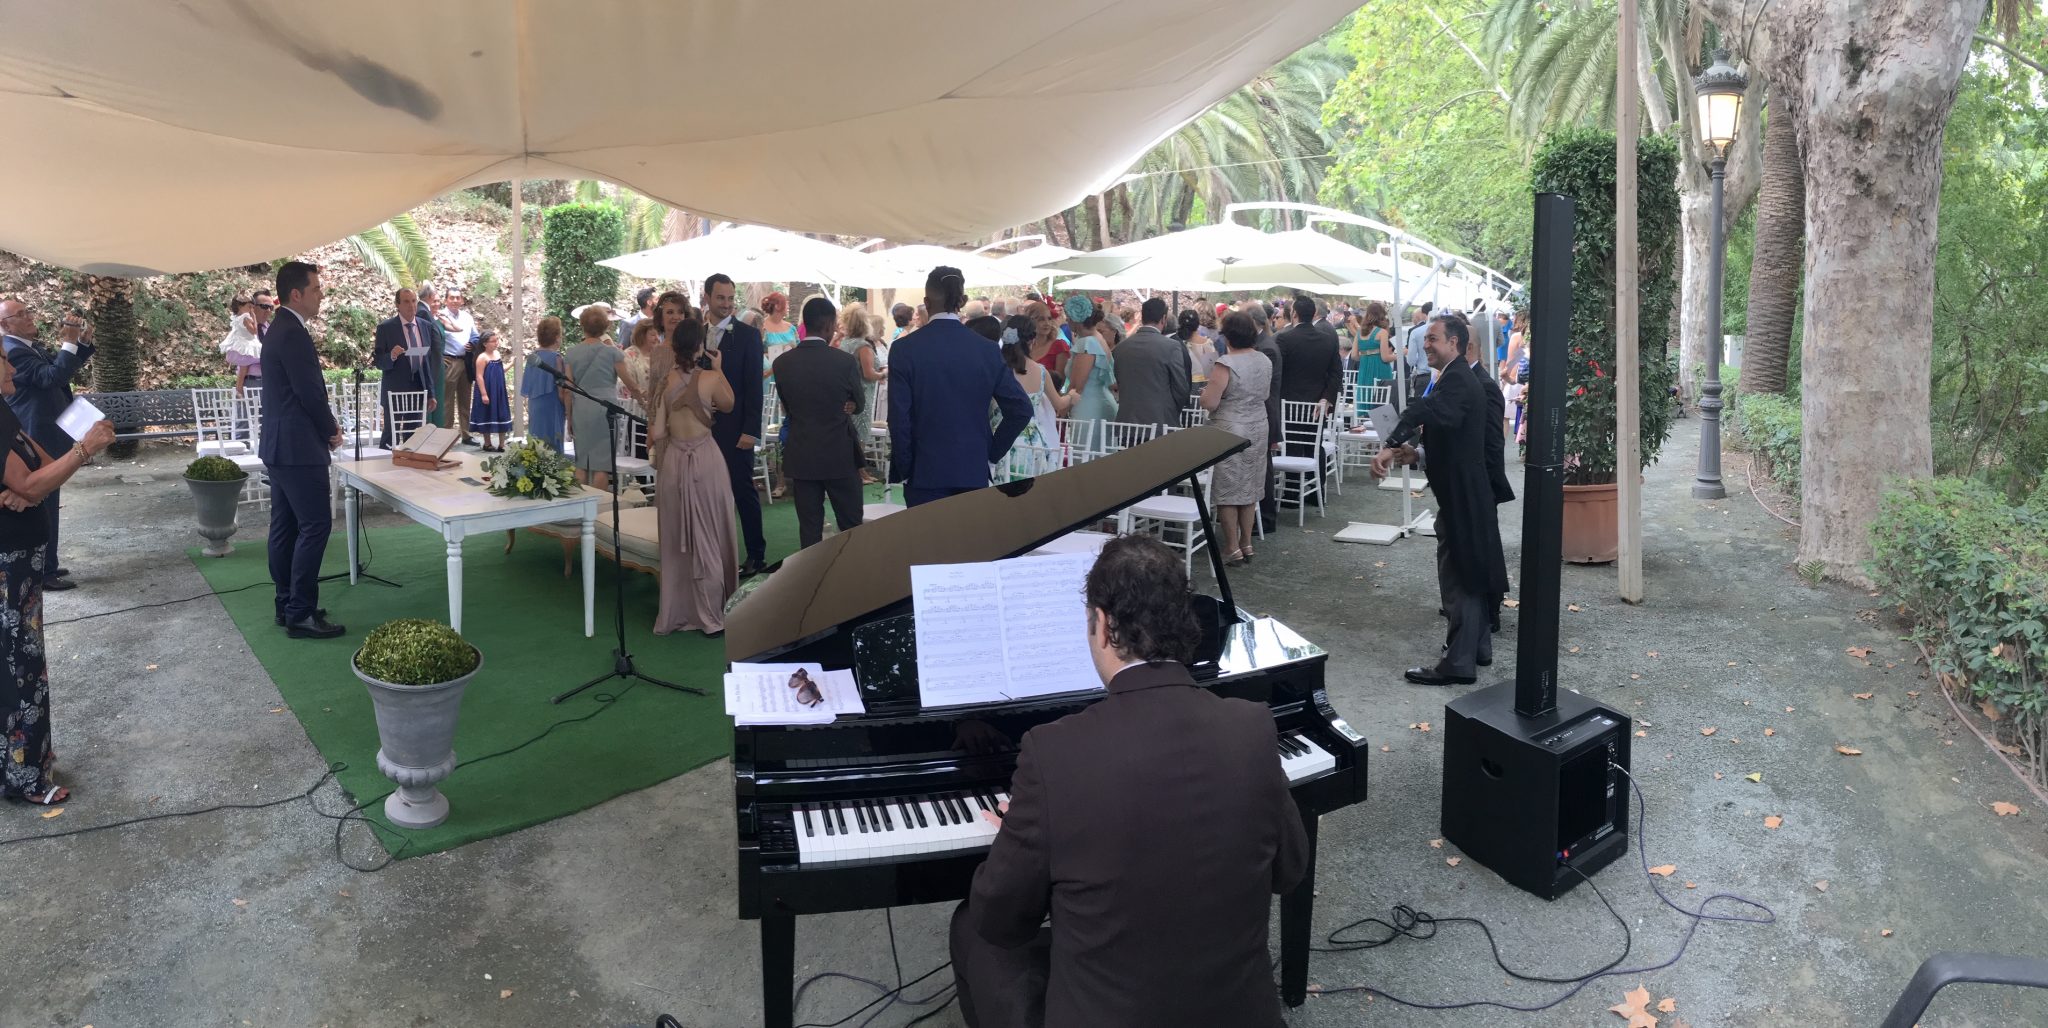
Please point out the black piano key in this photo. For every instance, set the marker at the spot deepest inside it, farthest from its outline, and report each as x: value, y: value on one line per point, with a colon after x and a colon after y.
x: 944, y: 803
x: 825, y: 815
x: 903, y: 807
x: 1287, y: 746
x: 805, y: 811
x: 860, y: 815
x: 1293, y: 745
x: 981, y: 800
x: 888, y: 823
x: 939, y: 809
x: 839, y: 815
x: 960, y: 808
x: 917, y: 808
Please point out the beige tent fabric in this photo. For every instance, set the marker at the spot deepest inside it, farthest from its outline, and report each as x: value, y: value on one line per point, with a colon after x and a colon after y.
x: 163, y: 137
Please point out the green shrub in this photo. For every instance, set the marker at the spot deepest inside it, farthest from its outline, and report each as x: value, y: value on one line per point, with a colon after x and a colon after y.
x: 575, y: 236
x: 214, y: 469
x: 200, y: 382
x: 1579, y: 163
x: 1769, y: 427
x: 1971, y: 572
x: 342, y: 374
x: 415, y: 652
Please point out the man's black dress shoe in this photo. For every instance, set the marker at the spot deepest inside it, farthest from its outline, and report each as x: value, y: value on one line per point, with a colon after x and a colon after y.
x: 752, y: 568
x: 315, y: 627
x: 1426, y: 676
x: 58, y: 584
x: 60, y: 573
x: 321, y: 613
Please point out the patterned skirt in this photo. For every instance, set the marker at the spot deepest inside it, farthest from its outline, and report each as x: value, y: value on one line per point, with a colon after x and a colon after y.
x: 24, y: 678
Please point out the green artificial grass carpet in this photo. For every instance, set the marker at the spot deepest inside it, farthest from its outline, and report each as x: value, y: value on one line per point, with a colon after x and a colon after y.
x: 528, y: 622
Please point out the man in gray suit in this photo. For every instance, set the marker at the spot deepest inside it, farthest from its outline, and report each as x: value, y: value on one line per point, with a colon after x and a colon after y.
x: 1153, y: 371
x: 821, y: 390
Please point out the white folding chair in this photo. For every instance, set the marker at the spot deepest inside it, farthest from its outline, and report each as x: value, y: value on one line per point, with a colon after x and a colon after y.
x: 222, y: 423
x: 1026, y: 462
x: 1079, y: 438
x: 408, y: 413
x: 1299, y: 464
x: 768, y: 448
x: 1111, y: 436
x: 1193, y: 417
x: 1172, y: 519
x: 632, y: 436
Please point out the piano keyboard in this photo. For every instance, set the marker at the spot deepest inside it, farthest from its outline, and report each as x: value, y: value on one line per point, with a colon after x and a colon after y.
x: 951, y: 822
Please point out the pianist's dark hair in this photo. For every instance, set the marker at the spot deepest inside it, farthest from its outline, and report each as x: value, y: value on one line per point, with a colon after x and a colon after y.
x: 1143, y: 588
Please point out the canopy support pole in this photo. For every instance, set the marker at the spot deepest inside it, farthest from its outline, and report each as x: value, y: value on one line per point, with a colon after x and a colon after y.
x: 515, y: 326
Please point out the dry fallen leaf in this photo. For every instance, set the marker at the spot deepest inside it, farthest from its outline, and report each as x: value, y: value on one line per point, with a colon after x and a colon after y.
x: 346, y: 894
x: 1436, y: 844
x: 1768, y: 732
x: 1653, y: 653
x: 504, y: 993
x: 277, y: 710
x: 1664, y: 870
x: 52, y: 812
x: 240, y: 902
x: 1788, y: 710
x: 1773, y: 821
x: 1420, y: 726
x: 1454, y: 861
x: 1755, y: 776
x: 1863, y: 695
x: 1692, y: 885
x: 1912, y: 694
x: 1848, y: 751
x: 1731, y: 663
x: 1573, y: 607
x: 1990, y: 712
x: 1511, y: 604
x: 1379, y: 564
x: 1861, y: 653
x: 2004, y: 809
x: 1640, y: 734
x: 1667, y: 1005
x: 1717, y: 776
x: 1635, y: 1005
x: 1709, y: 730
x: 1573, y: 650
x: 1633, y: 677
x: 1885, y: 934
x: 1386, y: 749
x: 149, y: 667
x: 1822, y: 885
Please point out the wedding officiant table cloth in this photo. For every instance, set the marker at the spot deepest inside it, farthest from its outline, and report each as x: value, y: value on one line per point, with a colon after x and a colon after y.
x: 455, y: 509
x: 144, y: 135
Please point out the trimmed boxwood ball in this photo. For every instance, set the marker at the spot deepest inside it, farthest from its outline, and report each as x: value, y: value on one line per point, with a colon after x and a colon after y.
x: 214, y: 469
x: 411, y: 651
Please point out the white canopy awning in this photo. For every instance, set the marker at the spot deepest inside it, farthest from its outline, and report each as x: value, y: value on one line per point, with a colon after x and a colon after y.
x: 1227, y: 257
x: 906, y: 267
x: 160, y: 137
x: 748, y: 253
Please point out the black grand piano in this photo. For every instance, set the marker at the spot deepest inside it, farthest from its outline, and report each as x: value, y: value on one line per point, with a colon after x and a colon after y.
x: 882, y: 810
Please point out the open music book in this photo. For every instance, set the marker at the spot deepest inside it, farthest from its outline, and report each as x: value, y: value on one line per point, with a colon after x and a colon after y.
x: 1002, y: 630
x: 427, y: 448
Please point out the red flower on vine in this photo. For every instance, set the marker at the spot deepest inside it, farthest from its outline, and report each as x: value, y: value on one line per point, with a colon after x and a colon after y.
x: 1597, y: 373
x: 1582, y: 391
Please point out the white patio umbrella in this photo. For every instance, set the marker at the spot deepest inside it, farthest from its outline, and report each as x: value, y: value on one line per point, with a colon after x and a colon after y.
x: 749, y: 253
x: 906, y: 267
x: 1226, y: 257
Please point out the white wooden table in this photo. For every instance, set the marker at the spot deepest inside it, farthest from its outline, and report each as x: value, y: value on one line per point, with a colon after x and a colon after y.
x: 456, y: 509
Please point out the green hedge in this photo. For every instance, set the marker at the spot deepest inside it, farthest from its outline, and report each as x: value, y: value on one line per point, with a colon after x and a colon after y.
x: 574, y: 237
x: 1770, y: 426
x: 1971, y: 571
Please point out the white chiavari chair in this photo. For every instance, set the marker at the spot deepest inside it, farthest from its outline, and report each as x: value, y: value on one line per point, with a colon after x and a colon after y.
x: 1299, y: 464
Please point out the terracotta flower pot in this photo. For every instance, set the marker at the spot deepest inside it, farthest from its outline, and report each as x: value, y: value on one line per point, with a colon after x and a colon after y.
x: 1592, y: 533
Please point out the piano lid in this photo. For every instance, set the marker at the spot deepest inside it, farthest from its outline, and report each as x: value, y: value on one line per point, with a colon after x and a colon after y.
x: 862, y: 571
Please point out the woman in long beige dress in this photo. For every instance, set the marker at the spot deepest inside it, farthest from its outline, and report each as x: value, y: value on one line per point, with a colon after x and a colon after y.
x: 692, y: 490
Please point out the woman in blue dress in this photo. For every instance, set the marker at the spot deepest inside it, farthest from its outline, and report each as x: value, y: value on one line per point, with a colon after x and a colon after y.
x: 543, y: 393
x: 490, y: 408
x: 1091, y: 374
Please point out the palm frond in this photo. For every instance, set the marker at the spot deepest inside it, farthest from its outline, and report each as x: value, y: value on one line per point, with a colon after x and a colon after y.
x: 412, y: 246
x: 379, y: 253
x: 589, y: 190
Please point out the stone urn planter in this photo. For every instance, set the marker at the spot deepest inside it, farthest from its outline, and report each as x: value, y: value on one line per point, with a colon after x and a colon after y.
x: 416, y: 672
x: 216, y: 485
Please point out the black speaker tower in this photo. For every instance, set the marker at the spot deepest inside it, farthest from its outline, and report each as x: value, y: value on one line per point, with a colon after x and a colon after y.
x: 1528, y: 790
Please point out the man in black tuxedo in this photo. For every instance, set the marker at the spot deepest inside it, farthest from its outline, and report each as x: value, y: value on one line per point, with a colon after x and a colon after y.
x: 1496, y: 474
x: 299, y: 435
x: 738, y: 431
x: 406, y: 352
x: 1159, y: 888
x: 42, y: 389
x: 1451, y: 419
x: 821, y: 390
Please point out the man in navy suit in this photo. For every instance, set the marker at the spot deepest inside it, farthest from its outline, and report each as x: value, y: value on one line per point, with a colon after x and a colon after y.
x: 299, y: 434
x: 42, y: 389
x: 738, y: 431
x: 406, y: 351
x: 941, y: 379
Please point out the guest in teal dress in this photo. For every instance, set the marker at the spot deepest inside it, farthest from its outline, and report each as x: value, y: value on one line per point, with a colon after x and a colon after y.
x: 1091, y: 373
x: 1375, y: 352
x: 543, y: 393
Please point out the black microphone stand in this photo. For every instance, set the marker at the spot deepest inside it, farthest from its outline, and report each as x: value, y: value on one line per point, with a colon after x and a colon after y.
x: 622, y: 659
x: 359, y: 570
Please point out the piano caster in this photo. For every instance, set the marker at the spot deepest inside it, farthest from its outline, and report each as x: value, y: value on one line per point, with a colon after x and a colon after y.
x: 1296, y: 910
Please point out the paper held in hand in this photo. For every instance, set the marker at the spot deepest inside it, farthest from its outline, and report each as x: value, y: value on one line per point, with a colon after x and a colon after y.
x: 79, y: 418
x: 789, y: 694
x: 427, y: 449
x: 1001, y: 631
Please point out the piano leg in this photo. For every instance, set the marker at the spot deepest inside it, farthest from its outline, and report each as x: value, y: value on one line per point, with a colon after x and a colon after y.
x: 1296, y: 910
x: 778, y: 970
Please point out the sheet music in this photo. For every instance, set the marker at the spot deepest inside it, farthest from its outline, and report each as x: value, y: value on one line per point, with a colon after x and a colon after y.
x: 1004, y: 630
x: 959, y: 647
x: 1045, y: 624
x: 763, y: 694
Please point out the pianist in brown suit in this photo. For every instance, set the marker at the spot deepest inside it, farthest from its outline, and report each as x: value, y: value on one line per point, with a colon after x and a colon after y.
x: 1159, y: 887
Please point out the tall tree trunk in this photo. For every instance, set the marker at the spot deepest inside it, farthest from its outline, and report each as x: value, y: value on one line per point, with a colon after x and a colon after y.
x: 1880, y: 80
x: 117, y: 366
x: 1780, y: 239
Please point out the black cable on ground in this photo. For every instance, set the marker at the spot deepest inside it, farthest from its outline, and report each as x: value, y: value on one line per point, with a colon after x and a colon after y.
x: 1408, y: 922
x: 148, y: 606
x: 888, y: 997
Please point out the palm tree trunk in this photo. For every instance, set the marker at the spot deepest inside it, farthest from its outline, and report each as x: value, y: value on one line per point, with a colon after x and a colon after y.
x: 1774, y: 274
x: 117, y: 367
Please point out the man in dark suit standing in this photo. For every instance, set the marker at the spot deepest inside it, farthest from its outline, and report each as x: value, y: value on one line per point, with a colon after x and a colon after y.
x: 1153, y: 371
x: 821, y: 390
x: 1452, y: 421
x: 941, y: 379
x: 406, y: 352
x: 1160, y: 887
x: 1496, y: 474
x: 738, y: 431
x: 1314, y: 363
x: 299, y: 434
x: 42, y: 389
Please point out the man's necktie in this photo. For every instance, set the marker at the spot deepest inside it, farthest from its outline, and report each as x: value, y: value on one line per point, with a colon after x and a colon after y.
x: 412, y: 345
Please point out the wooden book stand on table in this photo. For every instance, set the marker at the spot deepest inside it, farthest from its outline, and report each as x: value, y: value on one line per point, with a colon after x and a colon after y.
x: 427, y: 449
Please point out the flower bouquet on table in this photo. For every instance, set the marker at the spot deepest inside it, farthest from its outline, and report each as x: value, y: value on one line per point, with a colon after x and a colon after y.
x: 531, y: 470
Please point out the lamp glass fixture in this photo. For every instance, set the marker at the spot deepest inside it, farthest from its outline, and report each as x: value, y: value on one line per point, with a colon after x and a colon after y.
x: 1720, y: 90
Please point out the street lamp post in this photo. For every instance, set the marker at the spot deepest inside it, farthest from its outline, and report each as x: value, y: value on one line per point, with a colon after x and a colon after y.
x: 1720, y: 90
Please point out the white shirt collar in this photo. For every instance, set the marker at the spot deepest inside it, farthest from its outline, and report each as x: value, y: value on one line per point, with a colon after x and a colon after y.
x: 942, y: 317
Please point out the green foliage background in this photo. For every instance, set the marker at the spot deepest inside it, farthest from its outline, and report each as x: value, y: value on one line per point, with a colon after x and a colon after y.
x: 575, y: 237
x: 1579, y: 163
